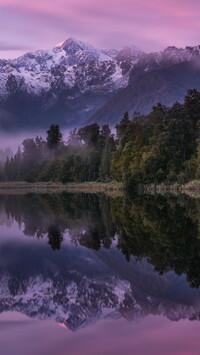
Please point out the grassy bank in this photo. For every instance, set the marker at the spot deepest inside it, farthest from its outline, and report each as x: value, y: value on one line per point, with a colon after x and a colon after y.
x: 111, y: 188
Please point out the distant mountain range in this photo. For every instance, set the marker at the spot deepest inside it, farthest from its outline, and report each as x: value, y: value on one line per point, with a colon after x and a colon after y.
x: 75, y: 83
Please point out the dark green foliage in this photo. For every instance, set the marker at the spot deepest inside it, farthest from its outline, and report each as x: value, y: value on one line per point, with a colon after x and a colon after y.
x: 162, y: 230
x: 106, y: 158
x: 89, y: 134
x: 54, y: 137
x: 122, y: 127
x: 161, y: 146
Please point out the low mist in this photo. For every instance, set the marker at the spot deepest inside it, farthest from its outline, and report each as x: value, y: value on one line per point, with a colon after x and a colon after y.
x: 14, y: 140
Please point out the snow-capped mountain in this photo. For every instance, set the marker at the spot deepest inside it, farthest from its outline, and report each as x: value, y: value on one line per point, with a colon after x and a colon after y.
x: 85, y: 295
x: 75, y: 63
x: 68, y: 53
x: 169, y: 56
x: 70, y: 82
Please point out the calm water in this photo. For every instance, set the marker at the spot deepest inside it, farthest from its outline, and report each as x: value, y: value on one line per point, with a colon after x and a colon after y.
x: 93, y: 275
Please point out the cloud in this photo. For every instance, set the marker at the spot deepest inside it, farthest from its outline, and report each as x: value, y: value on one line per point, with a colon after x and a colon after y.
x: 11, y: 47
x: 150, y: 25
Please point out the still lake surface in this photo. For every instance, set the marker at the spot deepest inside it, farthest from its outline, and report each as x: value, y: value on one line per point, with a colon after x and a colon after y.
x: 95, y: 275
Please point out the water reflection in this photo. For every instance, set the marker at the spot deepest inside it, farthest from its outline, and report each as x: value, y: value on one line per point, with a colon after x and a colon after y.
x: 152, y: 335
x: 94, y: 257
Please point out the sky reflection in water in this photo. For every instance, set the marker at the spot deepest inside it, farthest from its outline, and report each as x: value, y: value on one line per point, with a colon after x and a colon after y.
x: 152, y: 335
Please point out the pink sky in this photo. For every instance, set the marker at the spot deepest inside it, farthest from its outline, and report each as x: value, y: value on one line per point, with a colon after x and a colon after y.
x: 150, y: 25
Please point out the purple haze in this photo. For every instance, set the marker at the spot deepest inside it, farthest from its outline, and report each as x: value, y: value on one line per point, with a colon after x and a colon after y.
x: 150, y: 25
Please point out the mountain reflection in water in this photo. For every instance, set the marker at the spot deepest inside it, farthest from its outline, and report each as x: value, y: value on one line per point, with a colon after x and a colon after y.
x: 80, y: 260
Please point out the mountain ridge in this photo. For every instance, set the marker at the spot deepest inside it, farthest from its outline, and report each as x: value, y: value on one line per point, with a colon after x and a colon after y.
x: 165, y: 86
x: 74, y: 82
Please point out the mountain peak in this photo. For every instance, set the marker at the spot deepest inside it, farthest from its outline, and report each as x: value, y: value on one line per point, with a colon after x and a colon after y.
x: 71, y: 46
x: 68, y: 41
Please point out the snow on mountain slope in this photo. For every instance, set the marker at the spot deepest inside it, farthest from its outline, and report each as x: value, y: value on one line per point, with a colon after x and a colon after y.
x: 68, y: 53
x: 74, y: 62
x: 73, y: 80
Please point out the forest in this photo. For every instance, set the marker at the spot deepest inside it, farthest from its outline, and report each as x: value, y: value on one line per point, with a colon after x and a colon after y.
x: 162, y: 146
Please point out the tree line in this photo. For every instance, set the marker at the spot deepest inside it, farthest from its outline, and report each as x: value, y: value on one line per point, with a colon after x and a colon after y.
x: 161, y: 146
x: 86, y: 156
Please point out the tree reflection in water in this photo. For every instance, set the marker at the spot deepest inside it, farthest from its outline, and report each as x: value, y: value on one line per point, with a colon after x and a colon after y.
x: 164, y: 230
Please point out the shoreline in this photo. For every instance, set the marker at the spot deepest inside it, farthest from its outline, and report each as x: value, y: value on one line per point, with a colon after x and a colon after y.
x: 16, y: 187
x: 112, y: 188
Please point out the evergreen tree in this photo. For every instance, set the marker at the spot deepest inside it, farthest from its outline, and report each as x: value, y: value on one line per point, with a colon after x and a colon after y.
x: 54, y: 137
x: 104, y: 169
x: 89, y: 134
x: 122, y: 126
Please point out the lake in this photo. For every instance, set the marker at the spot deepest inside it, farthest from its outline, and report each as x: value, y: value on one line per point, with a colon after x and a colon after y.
x: 96, y: 275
